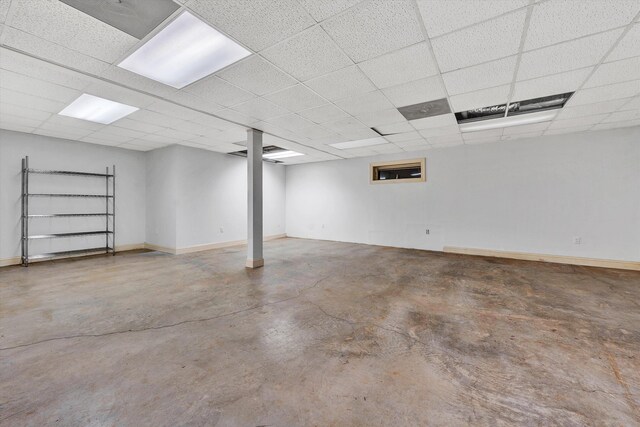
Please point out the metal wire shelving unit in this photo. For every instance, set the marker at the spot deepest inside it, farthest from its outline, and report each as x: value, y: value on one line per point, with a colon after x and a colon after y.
x: 108, y: 214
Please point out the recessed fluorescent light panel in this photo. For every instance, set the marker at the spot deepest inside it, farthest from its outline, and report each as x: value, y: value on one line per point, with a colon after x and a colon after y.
x: 359, y: 143
x: 96, y: 109
x: 535, y: 105
x: 183, y: 52
x: 282, y: 155
x: 504, y: 122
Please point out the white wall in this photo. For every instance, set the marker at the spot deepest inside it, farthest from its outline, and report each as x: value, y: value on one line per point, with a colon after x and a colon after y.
x: 529, y: 195
x: 197, y: 197
x: 53, y: 153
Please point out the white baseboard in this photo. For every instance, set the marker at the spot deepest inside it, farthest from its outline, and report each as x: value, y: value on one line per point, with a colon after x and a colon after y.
x: 558, y: 259
x: 5, y: 262
x: 207, y: 246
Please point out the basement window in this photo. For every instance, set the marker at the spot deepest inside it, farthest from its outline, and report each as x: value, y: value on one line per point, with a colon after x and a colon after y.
x: 398, y: 171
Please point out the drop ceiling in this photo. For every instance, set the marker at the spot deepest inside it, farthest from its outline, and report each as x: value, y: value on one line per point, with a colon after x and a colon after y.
x: 325, y: 72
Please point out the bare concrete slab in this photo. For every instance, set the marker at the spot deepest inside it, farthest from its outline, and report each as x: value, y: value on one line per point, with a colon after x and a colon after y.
x: 325, y: 334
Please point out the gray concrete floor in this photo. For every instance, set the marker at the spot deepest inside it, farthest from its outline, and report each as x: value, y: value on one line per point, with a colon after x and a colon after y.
x: 326, y: 334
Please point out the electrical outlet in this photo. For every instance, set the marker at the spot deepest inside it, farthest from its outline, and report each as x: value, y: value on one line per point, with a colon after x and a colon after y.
x: 427, y: 231
x: 221, y: 230
x: 577, y: 240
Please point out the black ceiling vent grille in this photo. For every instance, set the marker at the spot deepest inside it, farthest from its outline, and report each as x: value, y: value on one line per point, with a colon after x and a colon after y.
x: 425, y: 109
x: 268, y: 149
x: 511, y: 109
x: 135, y: 17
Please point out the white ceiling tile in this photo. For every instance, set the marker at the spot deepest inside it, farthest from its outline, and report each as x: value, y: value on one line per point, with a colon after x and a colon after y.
x: 105, y: 136
x: 256, y: 75
x: 41, y: 70
x: 236, y: 116
x: 256, y: 23
x: 291, y: 122
x: 484, y: 42
x: 631, y: 104
x: 119, y: 94
x: 296, y: 98
x: 309, y: 54
x: 483, y: 135
x: 153, y: 118
x: 403, y: 137
x: 550, y: 85
x: 71, y: 122
x: 394, y: 128
x: 445, y: 140
x: 375, y: 27
x: 381, y: 117
x: 480, y: 98
x: 175, y: 134
x: 559, y: 20
x: 512, y: 137
x: 156, y: 137
x: 4, y: 8
x: 621, y: 116
x: 444, y: 16
x: 28, y: 113
x: 413, y: 145
x: 136, y: 81
x: 50, y: 51
x: 435, y: 122
x: 417, y: 91
x: 7, y: 119
x: 42, y: 89
x: 323, y: 114
x: 591, y: 109
x: 61, y: 131
x: 194, y: 102
x: 566, y: 56
x: 29, y: 101
x: 386, y: 149
x: 127, y: 123
x: 231, y: 135
x: 575, y: 129
x: 347, y: 82
x: 123, y: 132
x: 578, y: 121
x: 605, y: 93
x: 51, y: 20
x: 440, y: 131
x: 489, y: 74
x: 219, y: 91
x: 401, y: 66
x: 261, y: 109
x: 532, y: 128
x: 615, y: 125
x: 323, y: 9
x: 7, y: 125
x: 372, y: 101
x: 627, y: 47
x: 129, y: 146
x: 615, y: 72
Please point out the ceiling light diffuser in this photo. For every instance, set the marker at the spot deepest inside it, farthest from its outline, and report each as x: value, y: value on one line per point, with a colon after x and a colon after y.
x: 96, y: 109
x: 281, y: 155
x: 184, y: 51
x: 524, y: 119
x: 359, y: 143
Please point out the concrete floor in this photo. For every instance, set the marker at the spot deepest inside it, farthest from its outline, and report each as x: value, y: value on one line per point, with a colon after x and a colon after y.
x: 326, y: 334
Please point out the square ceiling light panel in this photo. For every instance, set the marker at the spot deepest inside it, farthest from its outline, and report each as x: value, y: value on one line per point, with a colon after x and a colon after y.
x: 135, y: 17
x: 96, y: 109
x: 183, y: 52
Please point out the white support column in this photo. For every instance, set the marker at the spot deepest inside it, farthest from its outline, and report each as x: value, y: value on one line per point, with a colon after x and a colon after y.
x: 254, y: 201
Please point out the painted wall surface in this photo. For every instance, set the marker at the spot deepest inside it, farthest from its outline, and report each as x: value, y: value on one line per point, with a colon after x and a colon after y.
x: 197, y: 197
x: 531, y: 195
x: 60, y: 154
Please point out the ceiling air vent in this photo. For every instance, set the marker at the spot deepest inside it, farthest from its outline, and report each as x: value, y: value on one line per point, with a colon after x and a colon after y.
x: 425, y: 109
x: 135, y: 17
